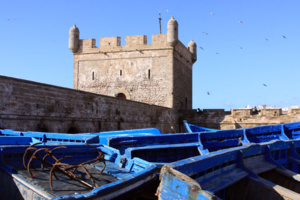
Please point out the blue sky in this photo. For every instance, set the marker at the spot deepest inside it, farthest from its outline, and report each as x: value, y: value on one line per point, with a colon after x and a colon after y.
x: 236, y: 60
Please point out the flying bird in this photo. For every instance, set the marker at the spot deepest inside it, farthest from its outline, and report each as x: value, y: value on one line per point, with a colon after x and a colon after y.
x: 208, y: 93
x: 217, y: 53
x: 240, y: 47
x: 212, y: 13
x: 201, y: 48
x: 265, y: 85
x: 205, y: 33
x: 240, y: 21
x: 266, y: 39
x: 283, y: 37
x: 167, y: 10
x: 11, y: 19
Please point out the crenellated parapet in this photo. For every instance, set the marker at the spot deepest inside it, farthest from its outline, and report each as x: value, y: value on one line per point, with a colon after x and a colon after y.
x: 131, y: 43
x: 266, y: 112
x: 134, y: 43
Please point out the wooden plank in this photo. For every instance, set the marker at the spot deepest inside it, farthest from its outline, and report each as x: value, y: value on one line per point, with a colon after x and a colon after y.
x: 288, y: 173
x: 258, y: 164
x: 285, y: 193
x: 222, y: 180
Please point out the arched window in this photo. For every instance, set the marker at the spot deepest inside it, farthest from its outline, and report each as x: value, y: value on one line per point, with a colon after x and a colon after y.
x: 121, y: 96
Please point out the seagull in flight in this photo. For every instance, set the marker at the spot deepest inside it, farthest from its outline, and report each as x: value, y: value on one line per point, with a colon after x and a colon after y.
x: 283, y: 37
x: 167, y: 10
x: 265, y: 85
x: 201, y: 48
x: 208, y: 93
x: 266, y: 39
x: 240, y: 47
x: 11, y: 19
x: 217, y: 53
x: 212, y: 13
x: 240, y: 21
x: 205, y: 33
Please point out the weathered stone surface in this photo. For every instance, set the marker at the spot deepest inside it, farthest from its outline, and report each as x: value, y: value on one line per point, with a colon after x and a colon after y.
x: 239, y: 118
x: 156, y: 74
x: 31, y: 106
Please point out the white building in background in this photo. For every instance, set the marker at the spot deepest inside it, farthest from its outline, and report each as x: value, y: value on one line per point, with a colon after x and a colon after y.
x: 295, y: 106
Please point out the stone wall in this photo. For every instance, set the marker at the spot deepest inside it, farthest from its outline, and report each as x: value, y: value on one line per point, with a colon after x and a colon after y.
x: 239, y: 118
x: 156, y: 74
x: 136, y: 70
x: 182, y: 78
x: 27, y: 105
x: 210, y: 118
x: 31, y: 106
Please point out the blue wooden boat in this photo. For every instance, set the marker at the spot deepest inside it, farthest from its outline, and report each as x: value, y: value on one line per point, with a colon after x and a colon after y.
x: 158, y: 149
x: 49, y: 138
x: 66, y: 170
x: 255, y: 171
x: 191, y: 128
x: 64, y: 138
x: 224, y: 139
x: 166, y: 148
x: 135, y: 132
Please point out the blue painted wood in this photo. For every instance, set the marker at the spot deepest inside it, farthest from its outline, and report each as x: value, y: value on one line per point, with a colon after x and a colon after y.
x: 162, y: 154
x: 124, y: 142
x: 125, y: 174
x: 215, y: 171
x: 147, y: 131
x: 266, y: 133
x: 218, y: 140
x: 61, y: 138
x: 166, y: 148
x: 18, y: 140
x: 91, y: 138
x: 191, y: 128
x: 234, y: 146
x: 292, y: 130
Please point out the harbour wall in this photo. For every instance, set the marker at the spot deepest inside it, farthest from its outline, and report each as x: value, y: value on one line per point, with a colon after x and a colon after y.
x: 31, y: 106
x: 240, y: 118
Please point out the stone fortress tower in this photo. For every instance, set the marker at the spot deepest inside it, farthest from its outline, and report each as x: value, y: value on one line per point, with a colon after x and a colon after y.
x: 159, y: 73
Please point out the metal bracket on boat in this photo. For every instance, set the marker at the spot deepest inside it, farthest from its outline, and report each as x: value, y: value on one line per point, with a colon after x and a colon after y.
x: 122, y: 160
x: 64, y: 168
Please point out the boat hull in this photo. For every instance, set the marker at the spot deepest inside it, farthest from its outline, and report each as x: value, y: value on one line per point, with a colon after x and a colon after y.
x: 258, y: 171
x: 120, y: 176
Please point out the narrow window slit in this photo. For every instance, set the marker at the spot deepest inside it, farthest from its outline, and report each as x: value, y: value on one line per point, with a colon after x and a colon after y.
x: 149, y: 74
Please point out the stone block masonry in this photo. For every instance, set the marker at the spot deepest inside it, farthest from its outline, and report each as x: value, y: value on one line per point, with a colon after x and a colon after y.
x: 239, y: 118
x: 31, y: 106
x: 153, y: 74
x: 157, y: 74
